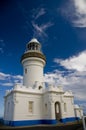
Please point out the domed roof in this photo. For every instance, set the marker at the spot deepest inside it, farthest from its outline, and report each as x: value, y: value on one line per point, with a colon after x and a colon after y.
x: 76, y: 106
x: 34, y: 40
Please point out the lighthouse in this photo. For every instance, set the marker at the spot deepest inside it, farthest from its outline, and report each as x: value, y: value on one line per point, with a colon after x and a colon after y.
x: 32, y: 102
x: 33, y: 61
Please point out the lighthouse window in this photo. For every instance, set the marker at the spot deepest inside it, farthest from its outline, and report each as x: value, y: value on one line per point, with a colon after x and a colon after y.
x: 30, y: 106
x: 25, y: 71
x: 36, y: 47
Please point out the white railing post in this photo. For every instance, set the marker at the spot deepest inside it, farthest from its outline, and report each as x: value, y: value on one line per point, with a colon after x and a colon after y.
x: 83, y: 121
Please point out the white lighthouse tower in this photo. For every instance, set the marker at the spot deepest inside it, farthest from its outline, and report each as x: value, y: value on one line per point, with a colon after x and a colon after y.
x: 33, y: 61
x: 33, y: 102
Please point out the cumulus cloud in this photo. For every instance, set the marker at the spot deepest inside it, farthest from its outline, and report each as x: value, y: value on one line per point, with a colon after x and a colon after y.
x: 75, y: 81
x: 3, y: 76
x: 72, y: 78
x: 76, y: 78
x: 9, y: 80
x: 75, y: 12
x: 56, y: 77
x: 74, y: 63
x: 7, y: 84
x: 18, y: 77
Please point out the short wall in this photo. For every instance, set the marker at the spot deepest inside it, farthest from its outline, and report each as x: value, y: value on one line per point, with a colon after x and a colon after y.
x: 37, y: 122
x: 29, y: 122
x: 69, y: 119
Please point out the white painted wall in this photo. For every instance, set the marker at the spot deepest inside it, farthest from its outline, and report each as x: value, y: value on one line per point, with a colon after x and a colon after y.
x: 9, y: 107
x: 21, y: 107
x: 34, y: 73
x: 69, y: 106
x: 78, y: 112
x: 52, y: 97
x: 20, y: 97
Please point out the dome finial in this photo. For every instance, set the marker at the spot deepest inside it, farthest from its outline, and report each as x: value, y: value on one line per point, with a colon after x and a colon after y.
x: 34, y: 40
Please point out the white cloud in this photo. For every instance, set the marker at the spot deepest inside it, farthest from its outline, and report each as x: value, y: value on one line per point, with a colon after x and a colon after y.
x: 75, y: 12
x: 1, y: 40
x: 3, y: 76
x: 2, y: 46
x: 37, y: 13
x: 75, y: 81
x: 73, y: 78
x: 7, y: 84
x: 36, y: 24
x: 40, y: 30
x: 18, y: 77
x: 83, y: 105
x: 55, y: 78
x: 9, y: 80
x: 74, y: 63
x: 1, y: 50
x: 80, y: 6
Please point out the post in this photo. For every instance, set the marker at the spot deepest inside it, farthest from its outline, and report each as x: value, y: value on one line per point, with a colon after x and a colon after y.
x: 83, y: 121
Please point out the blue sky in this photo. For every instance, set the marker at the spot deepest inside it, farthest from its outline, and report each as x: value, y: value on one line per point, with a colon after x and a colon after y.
x: 60, y: 26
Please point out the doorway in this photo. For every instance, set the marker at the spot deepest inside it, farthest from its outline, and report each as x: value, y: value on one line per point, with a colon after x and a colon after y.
x: 57, y: 111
